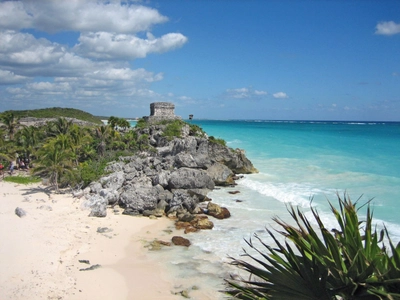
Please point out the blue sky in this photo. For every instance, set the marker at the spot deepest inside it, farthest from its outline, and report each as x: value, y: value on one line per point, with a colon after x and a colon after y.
x: 291, y: 60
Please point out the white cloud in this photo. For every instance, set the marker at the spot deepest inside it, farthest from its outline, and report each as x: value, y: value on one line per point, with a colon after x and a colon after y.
x: 280, y: 95
x: 387, y: 28
x: 78, y: 15
x: 260, y: 93
x: 7, y: 77
x: 105, y: 45
x: 25, y: 49
x: 244, y: 93
x: 97, y: 70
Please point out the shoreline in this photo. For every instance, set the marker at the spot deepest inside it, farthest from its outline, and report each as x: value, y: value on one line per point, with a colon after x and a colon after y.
x: 40, y: 255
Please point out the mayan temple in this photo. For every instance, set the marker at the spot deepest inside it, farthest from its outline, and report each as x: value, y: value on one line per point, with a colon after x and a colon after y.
x: 161, y: 111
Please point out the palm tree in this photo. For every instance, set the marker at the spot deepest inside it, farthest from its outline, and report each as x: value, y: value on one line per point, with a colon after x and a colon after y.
x: 130, y: 139
x: 112, y: 122
x: 55, y: 161
x: 10, y: 123
x: 79, y: 139
x: 123, y: 123
x: 103, y: 135
x: 28, y: 139
x: 59, y: 126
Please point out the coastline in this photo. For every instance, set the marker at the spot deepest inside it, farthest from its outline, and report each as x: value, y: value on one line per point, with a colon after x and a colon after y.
x: 40, y: 254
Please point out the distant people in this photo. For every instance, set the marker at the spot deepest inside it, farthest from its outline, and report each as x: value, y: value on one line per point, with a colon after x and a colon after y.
x: 12, y: 166
x: 1, y: 169
x: 22, y: 165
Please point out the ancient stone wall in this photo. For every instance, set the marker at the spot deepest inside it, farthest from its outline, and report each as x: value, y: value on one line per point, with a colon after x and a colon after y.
x: 161, y: 111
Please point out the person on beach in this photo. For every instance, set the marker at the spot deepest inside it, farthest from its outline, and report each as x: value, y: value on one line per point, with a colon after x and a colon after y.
x: 11, y: 167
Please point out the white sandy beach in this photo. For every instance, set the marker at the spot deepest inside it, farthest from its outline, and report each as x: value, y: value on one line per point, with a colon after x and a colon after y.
x: 40, y: 252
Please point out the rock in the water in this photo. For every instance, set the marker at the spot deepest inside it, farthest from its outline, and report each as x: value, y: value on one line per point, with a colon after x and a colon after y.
x: 234, y: 192
x: 180, y: 241
x: 202, y: 222
x: 20, y: 212
x: 221, y: 174
x: 235, y: 160
x: 217, y: 211
x: 190, y: 229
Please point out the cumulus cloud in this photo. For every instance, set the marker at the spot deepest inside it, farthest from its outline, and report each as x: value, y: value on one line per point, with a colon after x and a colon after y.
x: 7, y: 77
x: 387, y: 28
x: 97, y: 68
x: 280, y: 95
x: 244, y: 93
x: 106, y: 45
x: 78, y: 15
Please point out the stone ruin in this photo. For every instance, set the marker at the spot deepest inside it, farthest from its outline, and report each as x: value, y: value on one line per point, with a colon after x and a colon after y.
x: 160, y: 111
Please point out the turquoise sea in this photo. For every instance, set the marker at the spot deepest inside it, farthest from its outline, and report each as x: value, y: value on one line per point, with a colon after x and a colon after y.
x: 297, y: 161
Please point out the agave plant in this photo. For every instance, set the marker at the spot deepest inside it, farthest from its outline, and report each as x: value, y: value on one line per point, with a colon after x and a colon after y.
x: 348, y: 262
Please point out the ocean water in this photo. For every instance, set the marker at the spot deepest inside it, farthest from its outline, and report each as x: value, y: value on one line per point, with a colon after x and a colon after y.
x: 297, y: 161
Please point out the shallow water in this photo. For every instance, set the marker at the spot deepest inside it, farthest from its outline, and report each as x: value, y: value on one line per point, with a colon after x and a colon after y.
x: 297, y: 161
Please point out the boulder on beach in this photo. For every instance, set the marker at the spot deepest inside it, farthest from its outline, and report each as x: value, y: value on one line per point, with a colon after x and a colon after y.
x: 180, y: 241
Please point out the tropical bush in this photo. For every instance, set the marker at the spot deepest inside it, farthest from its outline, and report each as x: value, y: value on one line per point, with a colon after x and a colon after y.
x: 141, y: 123
x: 218, y: 141
x: 196, y: 130
x: 348, y: 262
x: 173, y: 129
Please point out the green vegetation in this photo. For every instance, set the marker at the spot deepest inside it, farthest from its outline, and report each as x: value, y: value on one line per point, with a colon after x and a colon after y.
x: 22, y: 179
x: 217, y: 141
x: 196, y: 130
x: 55, y: 112
x: 117, y: 123
x: 68, y: 154
x: 349, y: 262
x: 173, y: 129
x: 141, y: 123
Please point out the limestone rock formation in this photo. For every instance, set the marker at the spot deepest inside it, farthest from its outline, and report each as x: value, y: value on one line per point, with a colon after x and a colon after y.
x: 172, y: 178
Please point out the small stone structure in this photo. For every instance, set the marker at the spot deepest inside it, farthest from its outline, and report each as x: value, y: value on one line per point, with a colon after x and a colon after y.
x: 161, y: 111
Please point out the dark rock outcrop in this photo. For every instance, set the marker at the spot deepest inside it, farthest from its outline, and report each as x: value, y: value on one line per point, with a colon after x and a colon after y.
x: 180, y: 241
x: 217, y: 211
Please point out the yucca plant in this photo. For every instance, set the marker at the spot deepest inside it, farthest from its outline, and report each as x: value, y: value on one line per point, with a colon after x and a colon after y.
x: 348, y: 262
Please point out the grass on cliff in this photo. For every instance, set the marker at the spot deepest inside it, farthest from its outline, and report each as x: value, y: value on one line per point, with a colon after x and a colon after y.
x: 218, y: 141
x: 56, y: 112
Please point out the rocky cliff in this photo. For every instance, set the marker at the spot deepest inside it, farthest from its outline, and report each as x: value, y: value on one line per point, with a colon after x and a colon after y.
x: 173, y: 177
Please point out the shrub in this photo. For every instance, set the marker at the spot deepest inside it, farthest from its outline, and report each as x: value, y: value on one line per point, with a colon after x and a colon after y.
x: 196, y: 130
x: 218, y: 141
x: 349, y: 262
x: 173, y: 129
x: 141, y: 123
